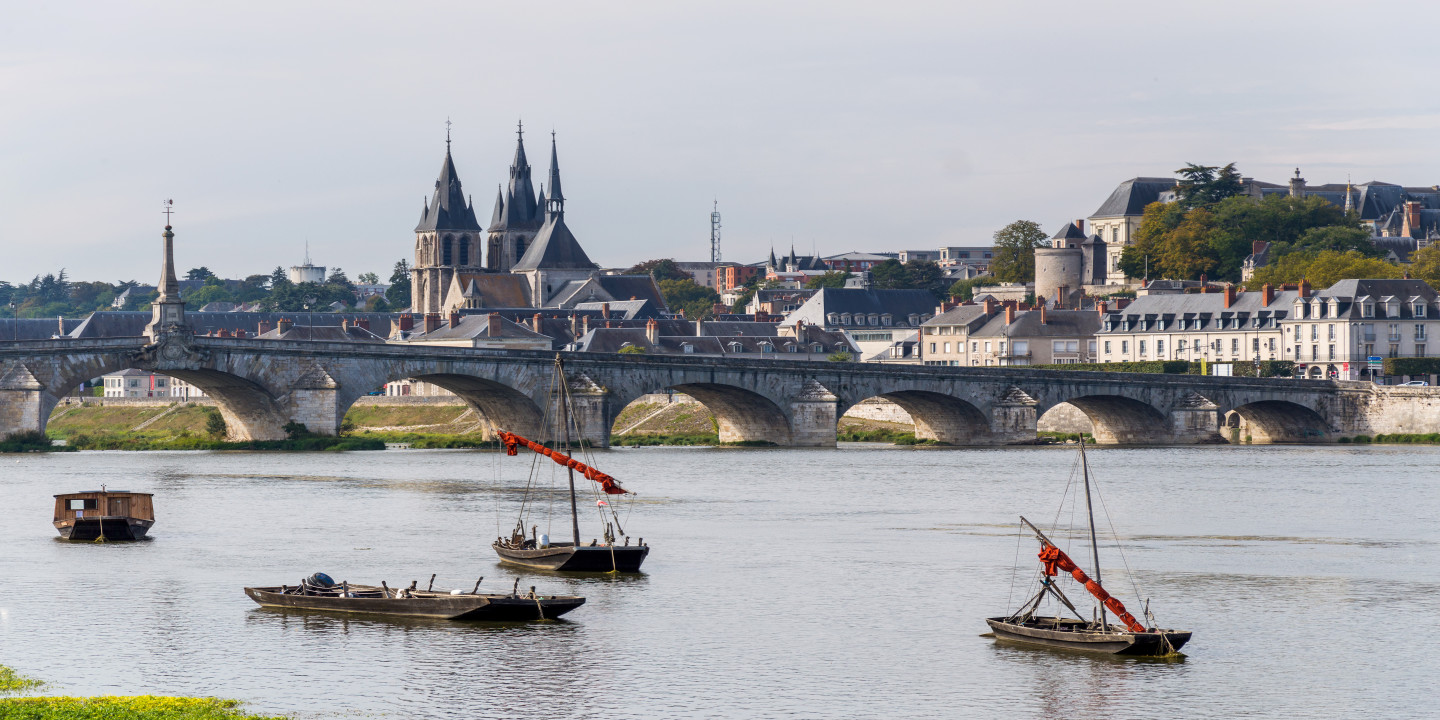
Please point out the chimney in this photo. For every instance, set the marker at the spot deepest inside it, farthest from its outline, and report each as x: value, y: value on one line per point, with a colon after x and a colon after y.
x: 1411, y: 223
x: 1258, y: 247
x: 1122, y: 303
x: 344, y: 324
x: 263, y: 328
x: 432, y: 322
x: 605, y: 311
x: 989, y: 305
x: 800, y: 331
x: 493, y: 325
x: 1044, y: 319
x: 585, y: 325
x: 363, y: 323
x: 1101, y: 307
x: 407, y: 322
x: 1267, y: 294
x: 1062, y: 293
x: 652, y: 331
x: 284, y: 325
x: 240, y: 333
x: 1229, y: 295
x: 454, y: 319
x: 574, y: 325
x: 224, y: 333
x: 1009, y: 313
x: 1304, y: 287
x: 535, y: 322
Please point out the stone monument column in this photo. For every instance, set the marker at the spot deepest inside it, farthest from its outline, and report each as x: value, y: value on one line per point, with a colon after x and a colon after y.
x: 168, y: 310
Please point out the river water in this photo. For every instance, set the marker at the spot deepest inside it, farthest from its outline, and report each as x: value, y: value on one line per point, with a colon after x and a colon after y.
x: 847, y: 583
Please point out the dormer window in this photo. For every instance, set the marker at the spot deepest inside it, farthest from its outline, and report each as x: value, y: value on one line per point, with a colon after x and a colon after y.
x: 687, y: 348
x: 1419, y: 309
x: 874, y: 319
x: 791, y: 347
x: 844, y: 318
x: 914, y: 319
x: 817, y: 348
x: 766, y: 347
x: 833, y: 318
x: 736, y: 347
x: 886, y: 319
x: 1367, y: 310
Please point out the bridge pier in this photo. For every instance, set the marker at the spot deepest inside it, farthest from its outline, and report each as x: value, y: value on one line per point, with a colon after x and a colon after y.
x: 814, y: 415
x: 1195, y: 421
x: 314, y: 402
x: 22, y: 402
x: 1013, y: 422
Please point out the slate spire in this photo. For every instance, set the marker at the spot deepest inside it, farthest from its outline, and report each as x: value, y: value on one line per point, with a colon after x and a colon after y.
x: 519, y: 211
x: 555, y: 201
x: 448, y: 209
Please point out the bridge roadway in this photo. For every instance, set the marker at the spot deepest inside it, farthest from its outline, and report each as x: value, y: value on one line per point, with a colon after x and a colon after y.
x: 260, y: 385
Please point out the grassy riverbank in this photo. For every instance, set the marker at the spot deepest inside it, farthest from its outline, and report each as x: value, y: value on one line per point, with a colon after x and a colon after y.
x: 140, y: 707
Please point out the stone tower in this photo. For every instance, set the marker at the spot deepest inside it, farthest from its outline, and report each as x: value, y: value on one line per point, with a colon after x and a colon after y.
x: 1057, y: 268
x: 447, y: 241
x: 555, y: 257
x: 518, y: 215
x: 168, y: 310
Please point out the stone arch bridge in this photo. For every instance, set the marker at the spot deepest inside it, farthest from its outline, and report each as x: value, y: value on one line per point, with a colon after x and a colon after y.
x: 260, y: 385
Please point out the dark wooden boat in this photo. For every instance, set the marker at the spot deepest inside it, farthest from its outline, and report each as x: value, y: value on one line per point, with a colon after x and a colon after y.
x: 605, y: 554
x: 1098, y: 634
x: 409, y: 602
x: 104, y: 515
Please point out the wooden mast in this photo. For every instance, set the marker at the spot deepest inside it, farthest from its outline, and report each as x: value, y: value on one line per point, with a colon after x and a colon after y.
x: 565, y: 421
x: 1094, y: 545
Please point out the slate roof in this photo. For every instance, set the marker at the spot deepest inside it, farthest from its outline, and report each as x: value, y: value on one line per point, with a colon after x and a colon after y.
x: 554, y: 248
x: 131, y: 323
x: 623, y: 309
x: 517, y: 208
x: 478, y: 326
x: 900, y: 304
x: 1131, y: 197
x: 1347, y: 292
x: 1058, y: 323
x: 1069, y: 232
x: 1204, y: 309
x: 448, y: 210
x: 324, y: 333
x: 640, y: 287
x: 40, y: 328
x: 970, y: 316
x: 494, y: 289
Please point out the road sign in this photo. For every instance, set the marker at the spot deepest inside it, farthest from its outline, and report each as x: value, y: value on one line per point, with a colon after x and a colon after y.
x: 1376, y: 362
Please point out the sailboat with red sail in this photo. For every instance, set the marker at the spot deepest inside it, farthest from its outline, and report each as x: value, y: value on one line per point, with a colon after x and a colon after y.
x: 605, y: 553
x: 1097, y: 633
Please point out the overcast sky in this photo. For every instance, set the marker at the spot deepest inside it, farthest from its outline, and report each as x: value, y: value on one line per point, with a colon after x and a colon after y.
x: 873, y: 126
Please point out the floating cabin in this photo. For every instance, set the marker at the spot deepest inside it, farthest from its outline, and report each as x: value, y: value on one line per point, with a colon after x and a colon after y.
x: 111, y: 514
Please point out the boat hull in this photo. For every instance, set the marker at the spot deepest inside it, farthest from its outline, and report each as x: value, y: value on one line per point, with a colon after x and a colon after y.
x: 567, y: 558
x: 1146, y: 644
x: 113, y: 528
x: 501, y: 608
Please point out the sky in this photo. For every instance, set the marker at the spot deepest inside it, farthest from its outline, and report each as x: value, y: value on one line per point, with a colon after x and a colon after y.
x: 831, y: 125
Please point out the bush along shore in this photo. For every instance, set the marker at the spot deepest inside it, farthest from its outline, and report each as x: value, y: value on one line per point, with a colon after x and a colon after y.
x: 139, y: 707
x: 1395, y: 439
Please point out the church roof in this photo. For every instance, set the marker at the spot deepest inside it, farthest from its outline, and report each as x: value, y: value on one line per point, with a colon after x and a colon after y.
x: 516, y: 207
x: 448, y: 210
x: 1131, y: 197
x: 554, y: 248
x: 494, y: 289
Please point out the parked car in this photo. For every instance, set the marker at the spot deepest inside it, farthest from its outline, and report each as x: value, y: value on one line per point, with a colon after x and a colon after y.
x: 1416, y: 383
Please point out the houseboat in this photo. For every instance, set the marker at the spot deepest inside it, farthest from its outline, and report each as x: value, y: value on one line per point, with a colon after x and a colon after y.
x: 104, y: 515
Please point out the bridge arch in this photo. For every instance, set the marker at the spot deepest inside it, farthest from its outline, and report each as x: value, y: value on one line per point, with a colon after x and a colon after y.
x: 942, y: 418
x: 1117, y: 419
x: 1277, y: 421
x: 499, y: 406
x: 251, y: 411
x: 741, y: 414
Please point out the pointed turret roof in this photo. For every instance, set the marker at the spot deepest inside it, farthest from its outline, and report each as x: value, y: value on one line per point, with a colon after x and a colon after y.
x: 554, y: 248
x: 555, y: 193
x: 447, y: 209
x: 519, y: 211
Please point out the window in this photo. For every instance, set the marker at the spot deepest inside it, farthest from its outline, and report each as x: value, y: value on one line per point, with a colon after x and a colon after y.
x: 1142, y: 347
x: 736, y: 347
x: 1234, y: 346
x: 987, y: 346
x: 447, y: 250
x: 1419, y: 309
x: 687, y: 348
x: 1394, y: 332
x: 932, y: 347
x: 1180, y: 345
x: 818, y: 348
x: 83, y: 504
x: 1002, y: 347
x: 1369, y: 350
x: 1332, y: 331
x: 1091, y: 348
x: 1394, y: 351
x: 1255, y: 345
x: 1297, y: 353
x: 1159, y: 348
x: 1124, y: 347
x: 1419, y: 331
x: 766, y: 347
x: 1332, y: 352
x: 1419, y: 351
x: 464, y: 251
x: 947, y: 347
x: 1314, y: 332
x: 1272, y: 344
x: 1314, y: 352
x: 1064, y: 346
x: 1184, y: 325
x: 974, y: 347
x: 1107, y: 347
x: 1115, y: 235
x: 1367, y: 310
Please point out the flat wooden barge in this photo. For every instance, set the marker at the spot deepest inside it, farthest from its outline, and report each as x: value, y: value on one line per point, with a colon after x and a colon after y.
x: 566, y: 557
x: 104, y: 514
x: 418, y: 603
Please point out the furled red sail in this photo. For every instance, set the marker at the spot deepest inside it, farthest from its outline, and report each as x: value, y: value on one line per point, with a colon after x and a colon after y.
x: 607, y: 483
x: 1056, y: 560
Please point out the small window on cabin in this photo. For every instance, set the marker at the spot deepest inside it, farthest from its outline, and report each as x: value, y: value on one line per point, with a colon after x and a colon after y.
x: 83, y: 504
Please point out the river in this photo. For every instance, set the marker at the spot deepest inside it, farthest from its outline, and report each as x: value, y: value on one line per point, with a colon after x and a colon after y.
x: 846, y: 583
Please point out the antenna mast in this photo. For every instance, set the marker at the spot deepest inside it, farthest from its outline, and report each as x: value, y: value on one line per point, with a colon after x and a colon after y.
x: 715, y: 233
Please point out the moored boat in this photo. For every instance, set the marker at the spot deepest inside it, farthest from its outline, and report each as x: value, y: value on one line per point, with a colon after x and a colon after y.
x: 104, y: 515
x: 607, y: 553
x: 1096, y: 634
x: 319, y: 592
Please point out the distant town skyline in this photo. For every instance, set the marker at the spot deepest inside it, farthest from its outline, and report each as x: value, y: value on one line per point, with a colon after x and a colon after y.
x: 842, y: 126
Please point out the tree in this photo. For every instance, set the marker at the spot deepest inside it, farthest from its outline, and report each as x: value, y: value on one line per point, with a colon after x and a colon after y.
x: 1323, y: 268
x: 1015, y: 244
x: 369, y: 278
x: 1425, y: 265
x: 214, y: 423
x: 278, y: 277
x: 200, y: 273
x: 1339, y: 239
x: 965, y: 289
x: 697, y: 301
x: 1202, y: 185
x: 398, y: 294
x: 631, y: 350
x: 663, y: 269
x: 832, y: 279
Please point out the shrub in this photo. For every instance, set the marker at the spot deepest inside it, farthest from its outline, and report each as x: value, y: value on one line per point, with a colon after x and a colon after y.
x: 34, y: 441
x: 215, y: 423
x: 1412, y: 366
x: 631, y: 350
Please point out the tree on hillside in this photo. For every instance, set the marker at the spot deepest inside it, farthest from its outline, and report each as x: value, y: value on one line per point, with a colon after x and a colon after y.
x: 914, y: 275
x: 368, y: 278
x: 278, y: 277
x: 200, y: 273
x: 696, y: 300
x: 1425, y: 265
x: 1015, y: 244
x: 965, y: 289
x: 832, y: 279
x: 1323, y: 268
x: 663, y: 269
x: 398, y: 294
x: 1202, y: 185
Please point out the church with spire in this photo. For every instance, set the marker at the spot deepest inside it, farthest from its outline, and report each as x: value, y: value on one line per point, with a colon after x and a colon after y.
x: 532, y: 259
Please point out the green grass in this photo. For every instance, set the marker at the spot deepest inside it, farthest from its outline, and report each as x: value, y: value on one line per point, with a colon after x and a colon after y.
x: 427, y: 440
x: 11, y: 681
x: 30, y: 442
x: 1046, y: 437
x: 651, y: 440
x: 141, y: 707
x: 1395, y: 439
x: 185, y: 441
x: 402, y: 415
